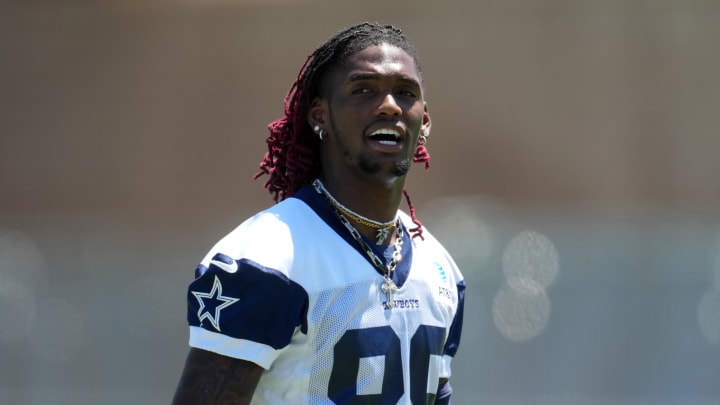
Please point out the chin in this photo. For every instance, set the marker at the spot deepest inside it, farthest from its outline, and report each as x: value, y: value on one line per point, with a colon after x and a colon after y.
x: 402, y: 168
x: 373, y: 167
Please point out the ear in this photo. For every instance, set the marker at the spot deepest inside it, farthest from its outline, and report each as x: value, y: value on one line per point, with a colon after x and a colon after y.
x: 317, y: 114
x: 427, y: 122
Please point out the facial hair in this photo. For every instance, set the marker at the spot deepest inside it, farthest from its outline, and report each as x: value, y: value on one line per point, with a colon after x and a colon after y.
x: 402, y: 168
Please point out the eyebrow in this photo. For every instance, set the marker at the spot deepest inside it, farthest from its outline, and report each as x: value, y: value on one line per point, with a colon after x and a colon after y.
x: 358, y: 77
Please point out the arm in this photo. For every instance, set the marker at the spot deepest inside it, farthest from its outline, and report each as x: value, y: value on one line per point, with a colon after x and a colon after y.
x: 210, y: 378
x: 444, y: 392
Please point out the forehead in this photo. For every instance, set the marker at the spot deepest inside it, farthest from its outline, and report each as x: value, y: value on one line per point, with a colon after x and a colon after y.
x: 381, y: 60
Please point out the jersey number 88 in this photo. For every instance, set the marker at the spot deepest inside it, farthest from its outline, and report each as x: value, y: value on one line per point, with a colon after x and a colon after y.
x: 383, y: 341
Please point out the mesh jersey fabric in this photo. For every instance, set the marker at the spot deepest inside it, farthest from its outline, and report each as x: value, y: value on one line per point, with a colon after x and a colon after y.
x: 290, y: 290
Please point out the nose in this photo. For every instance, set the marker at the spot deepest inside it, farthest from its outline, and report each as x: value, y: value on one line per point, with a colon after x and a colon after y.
x: 388, y: 106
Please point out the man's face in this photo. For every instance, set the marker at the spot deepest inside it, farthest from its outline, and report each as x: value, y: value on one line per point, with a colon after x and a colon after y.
x: 375, y: 111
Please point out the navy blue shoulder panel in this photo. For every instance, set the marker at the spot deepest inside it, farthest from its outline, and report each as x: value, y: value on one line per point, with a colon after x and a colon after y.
x: 245, y: 300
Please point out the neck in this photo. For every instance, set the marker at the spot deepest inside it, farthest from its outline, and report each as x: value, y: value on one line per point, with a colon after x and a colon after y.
x: 382, y: 232
x: 375, y: 201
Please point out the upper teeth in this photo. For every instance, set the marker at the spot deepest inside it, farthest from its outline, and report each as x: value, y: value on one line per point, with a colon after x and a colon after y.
x: 386, y: 131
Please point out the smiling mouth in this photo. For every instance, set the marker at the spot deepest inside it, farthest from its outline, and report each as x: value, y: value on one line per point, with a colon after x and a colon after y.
x: 386, y: 136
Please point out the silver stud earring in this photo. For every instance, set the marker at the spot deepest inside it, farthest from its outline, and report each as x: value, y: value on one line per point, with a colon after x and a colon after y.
x: 319, y: 131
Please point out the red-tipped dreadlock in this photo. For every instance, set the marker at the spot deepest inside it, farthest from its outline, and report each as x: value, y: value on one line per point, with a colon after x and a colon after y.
x: 293, y: 148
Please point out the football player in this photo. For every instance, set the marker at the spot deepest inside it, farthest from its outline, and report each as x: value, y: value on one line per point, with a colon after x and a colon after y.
x: 332, y: 295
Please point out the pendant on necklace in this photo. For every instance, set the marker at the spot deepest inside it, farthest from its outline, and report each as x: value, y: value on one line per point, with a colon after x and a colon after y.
x: 381, y: 235
x: 389, y: 288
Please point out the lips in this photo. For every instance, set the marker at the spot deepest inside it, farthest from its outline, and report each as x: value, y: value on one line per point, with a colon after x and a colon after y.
x: 387, y: 139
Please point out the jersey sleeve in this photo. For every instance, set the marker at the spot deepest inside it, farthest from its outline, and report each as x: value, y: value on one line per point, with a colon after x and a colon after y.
x: 241, y: 309
x: 453, y: 340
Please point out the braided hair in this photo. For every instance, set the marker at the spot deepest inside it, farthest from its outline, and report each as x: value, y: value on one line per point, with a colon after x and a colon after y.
x: 291, y: 161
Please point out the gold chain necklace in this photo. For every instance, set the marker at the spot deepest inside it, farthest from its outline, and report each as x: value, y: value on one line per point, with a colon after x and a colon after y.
x: 382, y: 229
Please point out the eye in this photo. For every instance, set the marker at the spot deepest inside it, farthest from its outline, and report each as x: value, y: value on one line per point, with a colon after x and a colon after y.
x: 361, y: 90
x: 406, y: 92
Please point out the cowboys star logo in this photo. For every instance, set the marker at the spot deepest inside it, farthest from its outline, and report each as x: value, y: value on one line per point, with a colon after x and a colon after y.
x: 213, y: 302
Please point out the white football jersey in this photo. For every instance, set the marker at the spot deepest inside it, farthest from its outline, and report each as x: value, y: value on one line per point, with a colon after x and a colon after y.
x: 292, y: 291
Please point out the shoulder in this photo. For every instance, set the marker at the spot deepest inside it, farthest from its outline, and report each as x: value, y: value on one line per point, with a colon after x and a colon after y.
x: 427, y: 242
x: 278, y: 218
x: 269, y: 236
x: 429, y: 249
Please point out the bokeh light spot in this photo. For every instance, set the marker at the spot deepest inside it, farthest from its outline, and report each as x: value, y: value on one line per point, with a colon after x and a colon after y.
x: 521, y: 309
x: 531, y: 255
x: 460, y: 225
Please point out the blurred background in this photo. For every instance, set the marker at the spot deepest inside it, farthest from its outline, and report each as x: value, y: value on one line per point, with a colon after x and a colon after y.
x: 574, y: 178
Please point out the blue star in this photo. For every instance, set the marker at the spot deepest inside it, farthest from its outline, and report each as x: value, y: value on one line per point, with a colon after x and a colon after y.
x: 214, y: 299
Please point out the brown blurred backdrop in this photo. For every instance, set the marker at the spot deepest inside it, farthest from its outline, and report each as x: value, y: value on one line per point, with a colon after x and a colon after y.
x: 574, y: 142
